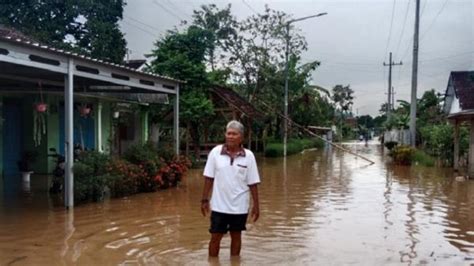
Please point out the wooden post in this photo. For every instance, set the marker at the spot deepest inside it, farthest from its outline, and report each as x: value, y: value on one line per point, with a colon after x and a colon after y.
x: 471, y: 149
x: 456, y: 146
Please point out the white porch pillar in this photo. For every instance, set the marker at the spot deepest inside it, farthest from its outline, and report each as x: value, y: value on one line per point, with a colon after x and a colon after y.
x: 99, y: 127
x: 69, y: 134
x: 176, y: 121
x: 471, y: 149
x: 456, y: 146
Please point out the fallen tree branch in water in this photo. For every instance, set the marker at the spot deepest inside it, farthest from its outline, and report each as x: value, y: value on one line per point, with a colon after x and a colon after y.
x: 314, y: 134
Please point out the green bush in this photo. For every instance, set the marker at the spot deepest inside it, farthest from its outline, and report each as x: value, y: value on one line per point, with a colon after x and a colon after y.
x: 422, y: 158
x: 407, y: 155
x: 146, y: 171
x: 87, y: 185
x: 293, y: 146
x: 402, y: 154
x: 438, y: 141
x: 96, y: 160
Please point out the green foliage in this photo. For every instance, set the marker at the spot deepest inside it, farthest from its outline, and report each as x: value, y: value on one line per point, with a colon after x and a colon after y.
x: 407, y: 155
x: 148, y: 170
x: 90, y: 176
x: 181, y: 55
x: 366, y: 121
x: 438, y: 141
x: 293, y: 146
x: 195, y: 106
x: 402, y: 154
x: 343, y: 97
x: 96, y: 160
x: 421, y: 158
x: 92, y: 25
x: 88, y: 185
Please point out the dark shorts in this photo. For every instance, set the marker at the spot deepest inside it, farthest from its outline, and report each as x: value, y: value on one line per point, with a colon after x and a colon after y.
x: 223, y: 222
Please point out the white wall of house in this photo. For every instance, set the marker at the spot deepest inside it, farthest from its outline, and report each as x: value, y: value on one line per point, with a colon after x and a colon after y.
x: 455, y: 108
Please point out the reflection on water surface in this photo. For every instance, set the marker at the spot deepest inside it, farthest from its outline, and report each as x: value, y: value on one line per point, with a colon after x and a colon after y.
x: 320, y: 207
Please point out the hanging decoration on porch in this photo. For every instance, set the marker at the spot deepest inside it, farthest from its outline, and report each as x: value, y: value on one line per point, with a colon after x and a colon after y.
x: 39, y: 118
x: 84, y: 110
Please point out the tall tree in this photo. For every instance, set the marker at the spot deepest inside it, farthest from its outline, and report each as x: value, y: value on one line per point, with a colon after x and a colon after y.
x: 86, y: 26
x: 181, y: 55
x: 343, y: 98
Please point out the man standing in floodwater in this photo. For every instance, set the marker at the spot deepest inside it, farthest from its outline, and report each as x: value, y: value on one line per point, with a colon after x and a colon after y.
x: 231, y: 172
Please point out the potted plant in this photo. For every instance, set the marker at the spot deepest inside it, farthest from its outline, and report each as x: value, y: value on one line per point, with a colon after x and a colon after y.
x: 25, y: 164
x: 41, y: 107
x: 84, y: 110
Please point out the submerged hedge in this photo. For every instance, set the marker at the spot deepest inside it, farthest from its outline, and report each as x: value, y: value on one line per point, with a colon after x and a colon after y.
x: 293, y: 146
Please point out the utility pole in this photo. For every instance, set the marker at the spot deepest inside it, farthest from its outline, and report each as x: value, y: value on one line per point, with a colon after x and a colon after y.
x: 414, y: 77
x: 287, y: 50
x: 393, y: 98
x: 389, y: 100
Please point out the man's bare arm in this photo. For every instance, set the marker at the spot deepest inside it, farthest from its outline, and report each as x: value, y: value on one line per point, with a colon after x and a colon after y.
x: 208, y: 183
x: 256, y: 205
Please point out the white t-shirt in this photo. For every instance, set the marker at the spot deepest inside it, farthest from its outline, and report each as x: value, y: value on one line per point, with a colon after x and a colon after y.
x: 230, y: 192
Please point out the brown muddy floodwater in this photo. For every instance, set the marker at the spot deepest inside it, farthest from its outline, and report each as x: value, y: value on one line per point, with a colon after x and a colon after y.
x: 322, y: 207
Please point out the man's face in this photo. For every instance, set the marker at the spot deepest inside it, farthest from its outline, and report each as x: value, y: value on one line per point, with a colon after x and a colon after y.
x: 233, y: 137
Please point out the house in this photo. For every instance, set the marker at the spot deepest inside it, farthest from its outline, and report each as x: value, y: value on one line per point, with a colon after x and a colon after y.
x: 51, y: 98
x: 459, y: 107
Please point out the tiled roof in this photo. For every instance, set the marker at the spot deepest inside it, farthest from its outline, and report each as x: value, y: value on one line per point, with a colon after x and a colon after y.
x: 14, y: 34
x: 463, y: 84
x: 238, y: 102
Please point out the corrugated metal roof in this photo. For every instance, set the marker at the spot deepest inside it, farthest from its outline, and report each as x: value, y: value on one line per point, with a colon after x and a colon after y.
x: 17, y: 37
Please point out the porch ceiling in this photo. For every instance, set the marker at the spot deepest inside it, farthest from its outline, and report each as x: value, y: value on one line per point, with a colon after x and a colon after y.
x: 24, y: 64
x: 19, y: 78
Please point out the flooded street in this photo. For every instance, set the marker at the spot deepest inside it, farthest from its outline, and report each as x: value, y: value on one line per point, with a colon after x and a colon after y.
x: 322, y: 207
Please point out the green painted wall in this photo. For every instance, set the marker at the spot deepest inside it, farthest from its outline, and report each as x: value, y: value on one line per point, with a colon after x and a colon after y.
x: 45, y: 164
x: 27, y: 106
x: 144, y: 127
x: 53, y: 129
x: 106, y: 126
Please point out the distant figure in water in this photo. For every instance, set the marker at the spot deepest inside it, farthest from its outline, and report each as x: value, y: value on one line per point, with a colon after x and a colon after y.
x: 232, y: 175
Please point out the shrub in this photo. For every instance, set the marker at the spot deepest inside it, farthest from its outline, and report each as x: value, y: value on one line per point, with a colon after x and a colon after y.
x: 96, y: 160
x: 173, y: 172
x: 90, y: 176
x: 89, y: 186
x: 126, y: 177
x: 422, y: 158
x: 402, y: 154
x: 406, y: 155
x: 438, y: 142
x: 293, y: 146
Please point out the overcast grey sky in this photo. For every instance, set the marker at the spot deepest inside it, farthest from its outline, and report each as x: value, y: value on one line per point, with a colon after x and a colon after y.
x: 352, y: 41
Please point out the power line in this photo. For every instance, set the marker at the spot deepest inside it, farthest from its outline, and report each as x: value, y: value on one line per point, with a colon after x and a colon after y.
x: 178, y: 8
x: 411, y: 40
x: 250, y: 7
x: 144, y: 24
x: 434, y: 20
x: 403, y: 27
x: 140, y: 28
x: 390, y: 31
x: 167, y: 10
